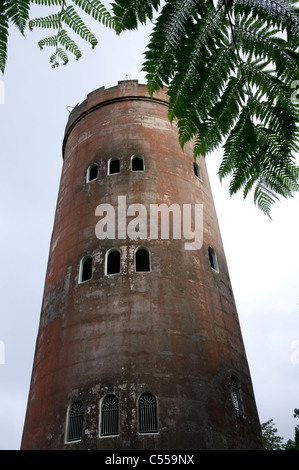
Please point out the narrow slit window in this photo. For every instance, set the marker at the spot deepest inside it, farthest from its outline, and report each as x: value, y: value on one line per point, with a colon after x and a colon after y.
x: 113, y: 262
x: 197, y: 171
x: 92, y: 172
x: 75, y: 422
x: 110, y: 416
x: 213, y: 259
x: 85, y: 269
x: 137, y: 163
x: 147, y: 414
x: 113, y: 166
x: 142, y: 260
x: 236, y: 393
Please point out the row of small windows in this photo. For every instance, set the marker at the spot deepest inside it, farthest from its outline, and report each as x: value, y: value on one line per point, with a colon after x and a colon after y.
x: 147, y: 414
x: 142, y: 259
x: 109, y: 417
x: 137, y: 164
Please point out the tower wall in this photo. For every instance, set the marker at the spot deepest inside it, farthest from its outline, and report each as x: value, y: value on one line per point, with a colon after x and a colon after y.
x: 173, y: 332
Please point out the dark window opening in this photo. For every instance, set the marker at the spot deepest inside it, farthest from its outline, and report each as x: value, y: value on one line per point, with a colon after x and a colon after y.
x: 113, y: 262
x: 86, y: 269
x: 110, y: 416
x: 114, y: 166
x: 142, y: 260
x: 196, y: 170
x: 75, y: 422
x: 147, y: 414
x: 236, y: 394
x: 93, y: 172
x: 213, y: 259
x: 137, y: 163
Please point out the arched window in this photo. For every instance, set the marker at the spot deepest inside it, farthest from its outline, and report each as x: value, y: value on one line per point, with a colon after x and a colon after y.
x: 92, y: 172
x: 213, y: 259
x: 75, y: 422
x: 85, y: 273
x: 113, y: 259
x: 142, y: 259
x: 113, y: 166
x: 147, y: 414
x: 137, y: 163
x: 197, y: 171
x: 236, y: 393
x: 110, y: 416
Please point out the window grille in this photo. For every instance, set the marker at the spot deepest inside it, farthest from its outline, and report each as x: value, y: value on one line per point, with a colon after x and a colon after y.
x: 148, y: 416
x: 75, y: 422
x: 137, y: 163
x: 110, y: 416
x: 142, y: 260
x: 236, y: 394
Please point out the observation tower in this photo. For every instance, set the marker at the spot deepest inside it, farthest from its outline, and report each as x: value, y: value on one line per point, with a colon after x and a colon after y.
x: 139, y: 343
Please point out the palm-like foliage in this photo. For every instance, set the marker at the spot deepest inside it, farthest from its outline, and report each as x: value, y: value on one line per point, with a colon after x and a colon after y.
x: 230, y: 67
x: 17, y: 11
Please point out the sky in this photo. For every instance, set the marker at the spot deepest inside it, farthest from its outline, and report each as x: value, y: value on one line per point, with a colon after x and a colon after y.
x: 262, y: 254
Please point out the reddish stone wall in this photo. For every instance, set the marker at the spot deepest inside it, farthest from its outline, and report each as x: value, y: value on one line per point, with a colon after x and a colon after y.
x: 173, y: 331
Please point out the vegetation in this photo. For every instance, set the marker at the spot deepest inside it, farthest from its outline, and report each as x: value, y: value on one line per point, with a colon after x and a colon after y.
x: 274, y: 442
x: 231, y: 68
x: 271, y: 440
x: 294, y: 444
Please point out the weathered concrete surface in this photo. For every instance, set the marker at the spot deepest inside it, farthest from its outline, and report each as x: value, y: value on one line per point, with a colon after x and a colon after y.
x: 173, y: 331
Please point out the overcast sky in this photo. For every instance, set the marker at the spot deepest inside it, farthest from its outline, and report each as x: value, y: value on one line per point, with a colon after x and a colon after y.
x: 262, y: 254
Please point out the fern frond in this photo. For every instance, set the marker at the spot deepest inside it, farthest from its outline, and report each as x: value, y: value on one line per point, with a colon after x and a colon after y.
x: 47, y: 22
x: 279, y: 13
x: 265, y: 46
x: 18, y: 12
x: 174, y: 24
x: 68, y: 16
x: 64, y: 39
x: 47, y: 2
x: 264, y: 197
x: 71, y: 18
x: 61, y: 54
x: 52, y: 41
x: 222, y: 118
x: 193, y: 61
x: 98, y: 11
x: 3, y: 37
x: 128, y: 13
x: 207, y: 91
x: 240, y: 142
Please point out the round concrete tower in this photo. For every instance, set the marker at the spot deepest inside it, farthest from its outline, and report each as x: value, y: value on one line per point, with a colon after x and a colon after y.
x: 139, y: 344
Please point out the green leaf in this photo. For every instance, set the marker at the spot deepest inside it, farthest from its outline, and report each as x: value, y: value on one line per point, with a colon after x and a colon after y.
x: 72, y: 19
x: 98, y: 11
x: 128, y: 13
x: 18, y: 12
